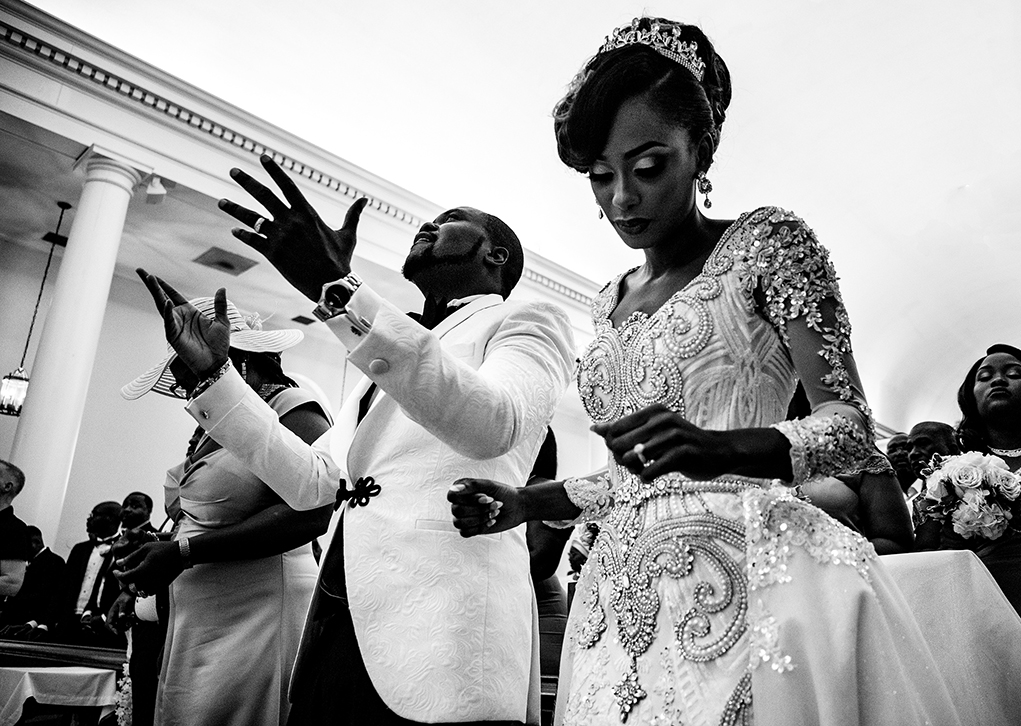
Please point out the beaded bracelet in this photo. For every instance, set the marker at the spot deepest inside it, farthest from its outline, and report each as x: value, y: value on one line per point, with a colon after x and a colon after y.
x: 210, y: 380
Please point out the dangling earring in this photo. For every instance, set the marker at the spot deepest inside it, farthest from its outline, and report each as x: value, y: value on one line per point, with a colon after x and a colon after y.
x: 244, y: 368
x: 704, y: 186
x: 600, y: 212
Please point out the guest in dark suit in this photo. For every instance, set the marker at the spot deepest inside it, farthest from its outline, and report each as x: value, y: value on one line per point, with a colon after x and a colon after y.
x: 136, y: 512
x: 91, y: 586
x: 33, y: 612
x: 13, y: 538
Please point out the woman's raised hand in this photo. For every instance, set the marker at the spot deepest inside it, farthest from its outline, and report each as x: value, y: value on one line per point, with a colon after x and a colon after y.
x: 294, y: 238
x: 202, y: 344
x: 656, y: 441
x: 483, y: 506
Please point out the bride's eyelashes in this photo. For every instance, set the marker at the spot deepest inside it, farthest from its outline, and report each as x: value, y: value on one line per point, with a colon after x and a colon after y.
x: 646, y: 168
x: 649, y: 168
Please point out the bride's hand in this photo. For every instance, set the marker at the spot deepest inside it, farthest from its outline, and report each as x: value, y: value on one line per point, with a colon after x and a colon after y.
x: 656, y: 441
x: 483, y: 506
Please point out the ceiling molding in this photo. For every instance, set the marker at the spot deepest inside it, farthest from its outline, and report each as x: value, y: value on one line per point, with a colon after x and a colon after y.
x: 52, y: 57
x: 558, y: 287
x: 75, y: 66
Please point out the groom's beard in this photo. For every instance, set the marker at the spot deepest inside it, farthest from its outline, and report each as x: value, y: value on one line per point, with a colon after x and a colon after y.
x: 416, y: 264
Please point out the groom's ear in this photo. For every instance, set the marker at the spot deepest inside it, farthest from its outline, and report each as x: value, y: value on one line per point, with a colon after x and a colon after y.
x: 497, y: 256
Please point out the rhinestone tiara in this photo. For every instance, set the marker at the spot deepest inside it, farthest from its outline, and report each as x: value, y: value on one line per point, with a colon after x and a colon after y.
x: 664, y: 39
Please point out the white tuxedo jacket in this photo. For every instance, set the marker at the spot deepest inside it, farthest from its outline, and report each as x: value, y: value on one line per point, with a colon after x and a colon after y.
x: 445, y: 625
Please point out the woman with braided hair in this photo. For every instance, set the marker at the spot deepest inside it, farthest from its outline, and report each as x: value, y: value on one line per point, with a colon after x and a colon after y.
x: 712, y: 595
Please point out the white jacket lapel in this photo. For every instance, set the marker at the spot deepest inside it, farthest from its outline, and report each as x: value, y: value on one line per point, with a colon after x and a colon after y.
x: 346, y: 425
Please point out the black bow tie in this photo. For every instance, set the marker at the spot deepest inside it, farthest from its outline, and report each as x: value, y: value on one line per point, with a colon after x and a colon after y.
x: 434, y: 312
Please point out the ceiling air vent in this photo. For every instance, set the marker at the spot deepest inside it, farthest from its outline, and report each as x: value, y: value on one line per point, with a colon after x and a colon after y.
x: 224, y: 261
x: 304, y: 320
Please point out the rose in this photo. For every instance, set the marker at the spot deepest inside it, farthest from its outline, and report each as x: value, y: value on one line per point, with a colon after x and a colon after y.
x: 935, y: 486
x: 966, y: 476
x: 936, y: 479
x: 965, y: 470
x: 944, y: 471
x: 987, y: 521
x: 1006, y: 482
x: 961, y: 472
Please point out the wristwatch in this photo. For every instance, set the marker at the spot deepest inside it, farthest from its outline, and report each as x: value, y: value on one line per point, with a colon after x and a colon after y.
x: 336, y: 295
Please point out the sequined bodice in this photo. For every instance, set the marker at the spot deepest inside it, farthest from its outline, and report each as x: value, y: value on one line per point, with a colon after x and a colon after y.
x: 706, y: 353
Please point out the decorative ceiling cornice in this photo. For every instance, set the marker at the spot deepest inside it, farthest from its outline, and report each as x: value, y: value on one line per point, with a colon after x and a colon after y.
x: 132, y: 92
x: 128, y: 91
x: 558, y: 287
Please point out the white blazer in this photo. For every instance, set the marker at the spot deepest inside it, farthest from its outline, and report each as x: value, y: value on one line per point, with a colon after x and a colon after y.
x: 445, y: 625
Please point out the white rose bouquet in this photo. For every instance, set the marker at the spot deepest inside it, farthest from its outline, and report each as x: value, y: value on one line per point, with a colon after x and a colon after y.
x: 975, y: 491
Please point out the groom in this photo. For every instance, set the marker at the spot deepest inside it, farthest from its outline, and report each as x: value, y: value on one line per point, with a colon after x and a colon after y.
x: 411, y: 623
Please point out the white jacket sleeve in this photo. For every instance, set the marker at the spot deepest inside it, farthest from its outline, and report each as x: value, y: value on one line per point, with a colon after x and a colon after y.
x: 483, y: 413
x: 236, y: 417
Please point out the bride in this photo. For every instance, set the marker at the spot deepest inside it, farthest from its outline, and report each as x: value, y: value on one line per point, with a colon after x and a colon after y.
x: 712, y: 595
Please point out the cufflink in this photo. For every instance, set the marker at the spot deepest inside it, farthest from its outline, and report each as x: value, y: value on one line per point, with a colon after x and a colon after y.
x: 379, y: 366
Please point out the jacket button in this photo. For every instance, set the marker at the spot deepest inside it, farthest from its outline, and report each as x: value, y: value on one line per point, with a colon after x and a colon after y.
x: 379, y: 366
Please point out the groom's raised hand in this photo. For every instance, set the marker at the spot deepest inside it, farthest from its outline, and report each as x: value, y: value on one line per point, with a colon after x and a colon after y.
x: 293, y: 237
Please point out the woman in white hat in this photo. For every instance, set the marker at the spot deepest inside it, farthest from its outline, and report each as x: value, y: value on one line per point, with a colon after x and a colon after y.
x: 240, y: 566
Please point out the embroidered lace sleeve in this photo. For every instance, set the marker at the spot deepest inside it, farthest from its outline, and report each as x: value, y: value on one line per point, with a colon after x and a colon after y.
x: 593, y: 495
x: 823, y: 445
x: 789, y: 278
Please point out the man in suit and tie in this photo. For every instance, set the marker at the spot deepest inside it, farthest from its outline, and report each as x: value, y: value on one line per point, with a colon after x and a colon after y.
x: 136, y: 510
x: 91, y: 587
x: 410, y: 623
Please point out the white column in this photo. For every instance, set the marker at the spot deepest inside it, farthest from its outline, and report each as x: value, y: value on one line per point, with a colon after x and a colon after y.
x: 47, y: 433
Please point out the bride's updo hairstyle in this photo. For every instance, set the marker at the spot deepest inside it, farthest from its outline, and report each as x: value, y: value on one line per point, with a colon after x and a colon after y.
x: 583, y: 117
x: 972, y: 430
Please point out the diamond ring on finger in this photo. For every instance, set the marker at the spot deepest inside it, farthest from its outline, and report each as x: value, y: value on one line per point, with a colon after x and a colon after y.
x: 639, y: 451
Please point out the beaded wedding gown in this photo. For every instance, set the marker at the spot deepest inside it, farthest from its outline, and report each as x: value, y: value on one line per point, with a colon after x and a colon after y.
x: 729, y: 601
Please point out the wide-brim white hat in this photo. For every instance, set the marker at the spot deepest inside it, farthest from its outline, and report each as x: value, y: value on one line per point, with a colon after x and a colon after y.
x: 246, y: 333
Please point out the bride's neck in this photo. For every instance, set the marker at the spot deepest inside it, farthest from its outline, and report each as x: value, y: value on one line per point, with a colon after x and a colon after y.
x: 1003, y: 436
x: 694, y: 242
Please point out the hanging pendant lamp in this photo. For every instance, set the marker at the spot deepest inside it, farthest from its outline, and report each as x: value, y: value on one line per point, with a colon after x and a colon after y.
x: 14, y: 386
